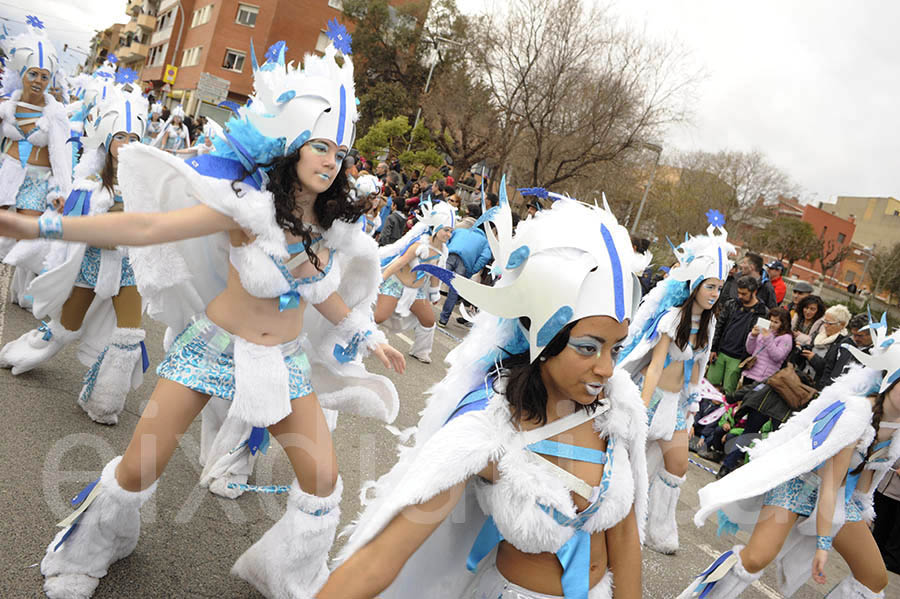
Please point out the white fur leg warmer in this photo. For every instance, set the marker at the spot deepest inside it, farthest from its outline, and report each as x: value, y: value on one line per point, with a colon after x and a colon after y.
x: 36, y: 347
x: 117, y: 370
x: 725, y: 578
x: 662, y: 527
x: 105, y: 532
x: 290, y: 560
x: 18, y: 289
x: 850, y: 588
x: 424, y: 340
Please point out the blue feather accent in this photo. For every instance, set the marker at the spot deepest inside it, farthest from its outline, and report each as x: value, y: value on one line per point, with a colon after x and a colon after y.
x: 824, y: 422
x: 726, y: 526
x: 518, y: 257
x: 486, y: 216
x: 263, y: 149
x: 259, y: 440
x: 286, y: 96
x: 675, y: 295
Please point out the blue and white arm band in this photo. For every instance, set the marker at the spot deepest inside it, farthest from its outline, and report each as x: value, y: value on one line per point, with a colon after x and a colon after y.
x: 824, y: 542
x: 50, y: 225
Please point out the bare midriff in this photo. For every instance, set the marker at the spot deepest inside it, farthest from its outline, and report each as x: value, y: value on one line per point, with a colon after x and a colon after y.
x: 408, y: 277
x: 255, y: 319
x: 672, y: 377
x: 39, y: 155
x: 542, y: 572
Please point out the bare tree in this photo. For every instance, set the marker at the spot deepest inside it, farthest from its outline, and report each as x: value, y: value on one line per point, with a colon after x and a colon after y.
x: 573, y: 89
x: 790, y: 239
x: 885, y: 270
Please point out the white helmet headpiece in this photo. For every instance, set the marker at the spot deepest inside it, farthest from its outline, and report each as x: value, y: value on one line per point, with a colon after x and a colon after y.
x: 29, y: 49
x: 567, y: 263
x: 704, y: 256
x: 121, y: 111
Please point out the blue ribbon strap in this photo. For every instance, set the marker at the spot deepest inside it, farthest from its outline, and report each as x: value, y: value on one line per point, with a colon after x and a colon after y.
x: 288, y: 301
x: 45, y: 329
x: 575, y: 557
x: 488, y: 537
x: 348, y: 353
x: 145, y: 359
x: 78, y: 203
x: 24, y: 151
x: 259, y: 440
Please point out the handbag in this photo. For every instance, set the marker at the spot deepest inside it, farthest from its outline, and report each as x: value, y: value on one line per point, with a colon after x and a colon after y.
x: 788, y: 385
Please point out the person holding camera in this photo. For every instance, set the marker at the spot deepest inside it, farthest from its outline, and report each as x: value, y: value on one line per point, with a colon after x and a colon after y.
x: 822, y: 354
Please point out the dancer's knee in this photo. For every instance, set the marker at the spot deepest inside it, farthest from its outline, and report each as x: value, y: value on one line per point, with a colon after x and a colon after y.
x: 135, y: 475
x: 755, y: 559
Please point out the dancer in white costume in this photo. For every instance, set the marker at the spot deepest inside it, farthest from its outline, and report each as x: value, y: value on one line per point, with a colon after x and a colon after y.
x: 809, y: 485
x: 406, y: 297
x: 667, y: 353
x: 154, y: 124
x: 533, y: 421
x: 90, y: 292
x: 36, y: 162
x: 174, y: 134
x: 244, y: 250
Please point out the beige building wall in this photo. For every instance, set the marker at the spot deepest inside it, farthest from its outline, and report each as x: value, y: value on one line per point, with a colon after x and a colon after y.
x: 877, y: 219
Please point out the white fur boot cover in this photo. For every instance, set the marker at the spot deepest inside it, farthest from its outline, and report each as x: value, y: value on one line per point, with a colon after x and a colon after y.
x: 850, y: 588
x: 106, y: 532
x: 36, y: 347
x: 662, y: 527
x: 421, y: 349
x: 107, y: 382
x: 18, y: 294
x: 726, y: 575
x: 290, y: 560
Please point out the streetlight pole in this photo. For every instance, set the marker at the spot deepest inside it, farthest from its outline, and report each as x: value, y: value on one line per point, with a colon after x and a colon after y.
x: 434, y: 40
x: 653, y: 148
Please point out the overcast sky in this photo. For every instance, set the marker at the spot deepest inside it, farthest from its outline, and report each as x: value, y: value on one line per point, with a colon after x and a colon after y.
x: 814, y: 85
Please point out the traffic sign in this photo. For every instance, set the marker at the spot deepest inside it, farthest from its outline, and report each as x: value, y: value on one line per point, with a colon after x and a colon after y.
x: 212, y: 89
x: 170, y: 73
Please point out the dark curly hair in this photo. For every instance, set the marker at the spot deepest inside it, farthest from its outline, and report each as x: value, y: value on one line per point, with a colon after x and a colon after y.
x: 525, y: 390
x: 332, y: 204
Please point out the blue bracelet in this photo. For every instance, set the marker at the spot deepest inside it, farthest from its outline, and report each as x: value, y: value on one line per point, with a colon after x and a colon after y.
x: 50, y: 226
x: 823, y: 542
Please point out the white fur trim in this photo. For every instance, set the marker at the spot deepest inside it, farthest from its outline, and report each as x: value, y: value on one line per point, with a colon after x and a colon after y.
x: 850, y: 588
x: 321, y: 290
x: 423, y: 342
x: 357, y: 321
x: 107, y: 532
x: 261, y: 384
x: 120, y: 370
x: 662, y: 528
x: 290, y: 560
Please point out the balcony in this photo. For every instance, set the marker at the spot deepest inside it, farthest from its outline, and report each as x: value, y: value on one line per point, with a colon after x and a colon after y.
x: 130, y: 27
x: 165, y: 5
x: 147, y: 22
x: 160, y: 36
x: 134, y: 6
x: 133, y: 51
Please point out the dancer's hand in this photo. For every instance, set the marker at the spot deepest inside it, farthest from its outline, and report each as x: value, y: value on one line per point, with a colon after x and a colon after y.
x: 818, y: 566
x: 390, y: 357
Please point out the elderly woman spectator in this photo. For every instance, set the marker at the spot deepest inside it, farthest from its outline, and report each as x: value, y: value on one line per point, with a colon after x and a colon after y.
x: 827, y: 343
x: 808, y: 319
x: 768, y: 347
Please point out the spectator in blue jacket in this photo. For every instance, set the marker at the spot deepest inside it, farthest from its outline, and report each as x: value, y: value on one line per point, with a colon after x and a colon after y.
x: 469, y: 252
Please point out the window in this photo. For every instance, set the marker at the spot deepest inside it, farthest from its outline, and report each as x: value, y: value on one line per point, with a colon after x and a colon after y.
x: 246, y: 15
x: 201, y: 16
x: 157, y: 55
x: 191, y: 56
x: 322, y: 42
x: 234, y: 60
x: 338, y: 4
x: 841, y: 237
x: 164, y: 21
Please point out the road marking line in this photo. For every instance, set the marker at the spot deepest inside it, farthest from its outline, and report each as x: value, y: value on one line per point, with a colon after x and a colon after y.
x: 759, y: 585
x: 403, y: 337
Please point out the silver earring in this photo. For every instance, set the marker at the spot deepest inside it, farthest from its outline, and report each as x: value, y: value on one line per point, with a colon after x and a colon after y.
x: 542, y: 359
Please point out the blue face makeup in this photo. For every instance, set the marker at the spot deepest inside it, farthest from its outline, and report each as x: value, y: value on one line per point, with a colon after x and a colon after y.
x: 592, y: 347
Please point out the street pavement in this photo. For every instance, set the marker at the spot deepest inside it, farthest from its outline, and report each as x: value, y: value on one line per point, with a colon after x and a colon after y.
x: 189, y: 537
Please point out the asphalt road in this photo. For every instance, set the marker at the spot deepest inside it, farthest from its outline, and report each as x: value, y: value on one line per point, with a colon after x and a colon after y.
x: 190, y: 538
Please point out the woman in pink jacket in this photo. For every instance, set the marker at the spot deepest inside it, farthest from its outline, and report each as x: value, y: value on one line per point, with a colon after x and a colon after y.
x: 770, y: 347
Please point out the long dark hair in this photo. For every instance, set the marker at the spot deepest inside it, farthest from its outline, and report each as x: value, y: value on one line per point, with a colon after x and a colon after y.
x: 108, y: 173
x: 877, y: 415
x: 683, y: 333
x: 332, y: 204
x: 525, y: 390
x: 810, y: 299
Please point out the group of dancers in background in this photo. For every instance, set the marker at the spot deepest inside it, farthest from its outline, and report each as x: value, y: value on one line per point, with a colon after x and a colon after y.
x: 554, y: 448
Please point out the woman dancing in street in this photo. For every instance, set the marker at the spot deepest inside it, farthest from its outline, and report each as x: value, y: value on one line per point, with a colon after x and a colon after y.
x: 241, y: 302
x: 91, y: 294
x: 667, y: 355
x: 532, y: 419
x: 36, y: 163
x: 809, y: 487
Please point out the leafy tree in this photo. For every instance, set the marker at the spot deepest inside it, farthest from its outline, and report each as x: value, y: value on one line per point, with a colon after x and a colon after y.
x: 790, y: 239
x: 391, y: 138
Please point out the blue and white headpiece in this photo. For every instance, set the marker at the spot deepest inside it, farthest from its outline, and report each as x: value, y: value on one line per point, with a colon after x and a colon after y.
x: 29, y: 49
x: 436, y: 216
x: 121, y: 111
x: 704, y: 256
x: 885, y: 352
x: 315, y: 102
x: 569, y: 262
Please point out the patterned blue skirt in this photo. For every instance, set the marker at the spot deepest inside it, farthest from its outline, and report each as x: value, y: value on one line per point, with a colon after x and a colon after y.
x: 32, y: 193
x: 90, y: 267
x: 799, y: 495
x: 394, y: 288
x: 202, y: 359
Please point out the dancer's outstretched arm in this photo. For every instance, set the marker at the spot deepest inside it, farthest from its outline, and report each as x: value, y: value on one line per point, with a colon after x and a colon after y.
x: 124, y: 228
x: 399, y: 262
x: 654, y: 370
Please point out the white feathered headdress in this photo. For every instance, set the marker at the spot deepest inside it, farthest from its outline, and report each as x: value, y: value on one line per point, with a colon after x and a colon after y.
x: 885, y: 352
